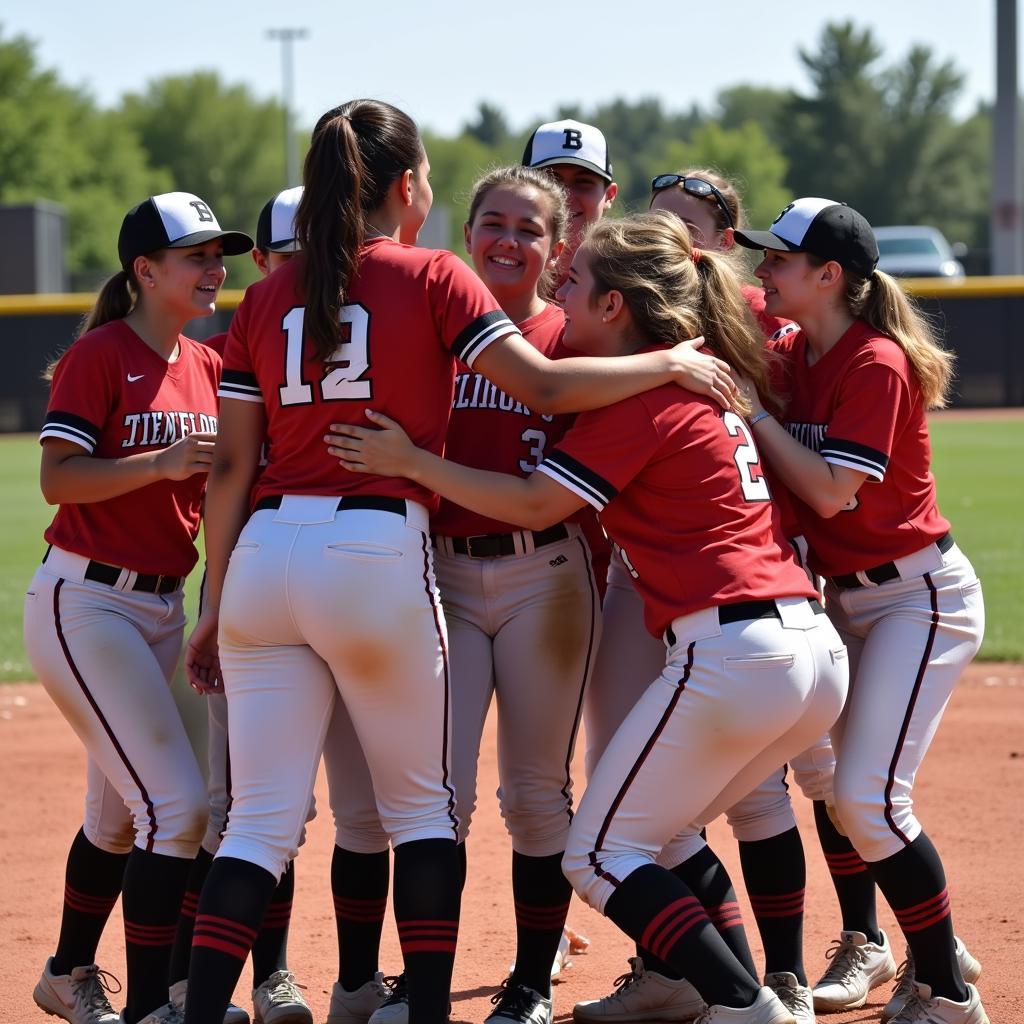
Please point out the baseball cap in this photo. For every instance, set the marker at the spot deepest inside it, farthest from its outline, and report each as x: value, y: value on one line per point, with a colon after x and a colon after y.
x: 173, y: 220
x: 569, y: 142
x: 275, y: 230
x: 831, y: 230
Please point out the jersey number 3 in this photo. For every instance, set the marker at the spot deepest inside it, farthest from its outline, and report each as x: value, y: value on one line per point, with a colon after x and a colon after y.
x: 747, y: 460
x: 351, y: 359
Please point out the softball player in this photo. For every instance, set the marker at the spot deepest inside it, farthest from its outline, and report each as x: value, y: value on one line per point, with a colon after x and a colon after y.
x: 771, y: 853
x: 330, y: 568
x: 274, y: 986
x: 667, y: 472
x: 521, y: 606
x: 126, y: 444
x: 862, y: 373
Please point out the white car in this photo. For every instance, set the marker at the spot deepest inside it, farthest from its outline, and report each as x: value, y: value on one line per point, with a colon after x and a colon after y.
x: 911, y: 251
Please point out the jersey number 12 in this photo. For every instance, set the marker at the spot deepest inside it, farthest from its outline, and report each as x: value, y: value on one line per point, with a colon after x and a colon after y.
x: 351, y: 359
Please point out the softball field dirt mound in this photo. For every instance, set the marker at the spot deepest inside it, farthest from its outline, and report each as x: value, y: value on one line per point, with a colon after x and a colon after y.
x: 969, y: 797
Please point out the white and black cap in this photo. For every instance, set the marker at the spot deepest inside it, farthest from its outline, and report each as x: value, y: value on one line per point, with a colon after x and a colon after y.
x: 275, y: 230
x: 174, y: 220
x: 569, y: 142
x: 831, y: 230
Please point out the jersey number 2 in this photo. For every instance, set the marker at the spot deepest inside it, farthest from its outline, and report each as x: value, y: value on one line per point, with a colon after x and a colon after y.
x: 343, y: 382
x: 747, y: 459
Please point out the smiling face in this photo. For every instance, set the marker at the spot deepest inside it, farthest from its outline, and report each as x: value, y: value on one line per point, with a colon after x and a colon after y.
x: 589, y: 196
x: 510, y: 240
x: 792, y: 286
x: 184, y: 282
x: 594, y: 323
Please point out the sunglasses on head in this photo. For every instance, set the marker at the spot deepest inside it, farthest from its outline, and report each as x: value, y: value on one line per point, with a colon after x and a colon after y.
x: 696, y: 187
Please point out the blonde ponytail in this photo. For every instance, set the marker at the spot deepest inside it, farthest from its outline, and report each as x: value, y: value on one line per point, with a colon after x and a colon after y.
x: 674, y: 291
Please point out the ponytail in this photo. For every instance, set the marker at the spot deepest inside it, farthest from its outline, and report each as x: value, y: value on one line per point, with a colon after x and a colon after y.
x: 674, y: 292
x: 114, y: 302
x: 882, y: 303
x: 357, y: 152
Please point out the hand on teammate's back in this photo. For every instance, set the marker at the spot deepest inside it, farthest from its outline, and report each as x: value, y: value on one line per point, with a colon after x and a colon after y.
x: 192, y: 454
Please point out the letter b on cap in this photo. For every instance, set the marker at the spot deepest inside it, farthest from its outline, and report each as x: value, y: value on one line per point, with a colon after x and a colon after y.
x: 573, y: 138
x: 204, y: 212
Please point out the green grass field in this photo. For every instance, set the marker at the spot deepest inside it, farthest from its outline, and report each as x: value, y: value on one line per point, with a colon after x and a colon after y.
x: 977, y: 464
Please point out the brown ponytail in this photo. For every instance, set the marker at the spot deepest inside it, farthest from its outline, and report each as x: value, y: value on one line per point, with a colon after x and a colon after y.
x: 880, y: 301
x: 357, y: 151
x: 114, y: 302
x: 672, y: 294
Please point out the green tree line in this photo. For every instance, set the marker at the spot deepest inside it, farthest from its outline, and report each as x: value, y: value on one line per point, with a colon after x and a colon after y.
x: 874, y: 131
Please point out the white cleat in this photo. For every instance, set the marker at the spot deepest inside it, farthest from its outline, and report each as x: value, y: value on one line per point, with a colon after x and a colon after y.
x: 166, y: 1014
x: 857, y: 967
x: 642, y: 995
x: 357, y: 1007
x: 795, y: 997
x: 79, y: 997
x: 923, y: 1008
x: 767, y: 1008
x: 394, y: 1009
x: 279, y: 1001
x: 970, y: 969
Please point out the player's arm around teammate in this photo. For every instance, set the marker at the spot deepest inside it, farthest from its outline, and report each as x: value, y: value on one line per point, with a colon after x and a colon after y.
x: 127, y: 442
x: 855, y: 450
x: 327, y: 570
x: 521, y: 606
x: 752, y: 673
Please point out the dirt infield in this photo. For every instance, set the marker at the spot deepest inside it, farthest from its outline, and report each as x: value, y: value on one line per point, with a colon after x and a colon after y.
x: 969, y: 796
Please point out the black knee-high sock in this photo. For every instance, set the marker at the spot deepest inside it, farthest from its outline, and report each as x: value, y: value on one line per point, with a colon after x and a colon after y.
x: 232, y: 906
x: 542, y: 894
x: 855, y: 888
x: 660, y: 912
x: 151, y: 899
x: 705, y: 876
x: 427, y: 902
x: 187, y: 917
x: 914, y: 884
x: 92, y: 883
x: 270, y: 950
x: 775, y: 876
x: 359, y: 883
x: 463, y: 866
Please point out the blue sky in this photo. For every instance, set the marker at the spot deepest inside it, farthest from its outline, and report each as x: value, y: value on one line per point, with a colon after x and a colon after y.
x: 437, y: 60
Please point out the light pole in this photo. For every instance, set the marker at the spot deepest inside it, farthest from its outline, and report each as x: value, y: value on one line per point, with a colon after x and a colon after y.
x: 286, y: 36
x: 1007, y: 250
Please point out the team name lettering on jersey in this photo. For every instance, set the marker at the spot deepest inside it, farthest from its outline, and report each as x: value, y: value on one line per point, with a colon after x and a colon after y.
x: 474, y: 391
x: 810, y: 435
x: 157, y: 428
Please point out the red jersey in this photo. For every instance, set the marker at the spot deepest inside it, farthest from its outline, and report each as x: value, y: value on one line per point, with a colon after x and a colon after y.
x: 491, y: 430
x: 678, y: 485
x: 114, y: 396
x: 409, y: 311
x: 860, y: 406
x: 770, y: 325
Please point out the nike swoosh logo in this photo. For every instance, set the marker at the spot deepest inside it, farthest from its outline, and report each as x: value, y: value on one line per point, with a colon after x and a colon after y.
x: 133, y: 379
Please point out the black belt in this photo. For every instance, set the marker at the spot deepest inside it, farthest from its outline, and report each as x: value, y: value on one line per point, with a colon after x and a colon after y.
x: 745, y: 611
x: 878, y: 574
x: 494, y: 545
x: 370, y: 501
x: 149, y: 583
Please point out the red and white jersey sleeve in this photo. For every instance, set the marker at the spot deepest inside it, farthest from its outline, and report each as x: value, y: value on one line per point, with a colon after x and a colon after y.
x: 409, y: 313
x: 679, y: 489
x: 114, y: 396
x: 491, y: 430
x: 859, y: 406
